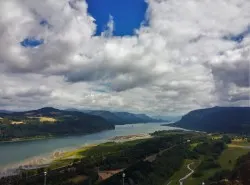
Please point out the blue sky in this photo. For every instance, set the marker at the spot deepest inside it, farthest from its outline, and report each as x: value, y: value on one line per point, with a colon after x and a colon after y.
x: 128, y: 14
x: 31, y: 42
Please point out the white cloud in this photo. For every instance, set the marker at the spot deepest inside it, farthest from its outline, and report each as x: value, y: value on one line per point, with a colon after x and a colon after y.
x: 178, y: 63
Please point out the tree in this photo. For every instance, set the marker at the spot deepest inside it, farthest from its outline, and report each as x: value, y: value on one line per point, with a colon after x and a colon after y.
x: 226, y: 139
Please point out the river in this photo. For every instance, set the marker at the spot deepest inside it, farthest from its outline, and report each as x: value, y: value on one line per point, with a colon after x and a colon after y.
x: 17, y: 153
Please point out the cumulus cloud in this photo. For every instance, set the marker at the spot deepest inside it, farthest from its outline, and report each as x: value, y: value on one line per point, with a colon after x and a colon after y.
x: 184, y: 59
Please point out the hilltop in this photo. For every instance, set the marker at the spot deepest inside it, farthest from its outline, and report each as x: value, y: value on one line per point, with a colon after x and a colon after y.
x: 217, y: 119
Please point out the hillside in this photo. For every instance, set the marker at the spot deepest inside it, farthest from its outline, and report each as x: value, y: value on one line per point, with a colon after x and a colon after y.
x: 238, y: 176
x: 120, y: 118
x: 217, y: 119
x: 49, y: 122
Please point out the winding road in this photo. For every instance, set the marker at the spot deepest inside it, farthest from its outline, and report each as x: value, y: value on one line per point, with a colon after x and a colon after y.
x: 188, y: 175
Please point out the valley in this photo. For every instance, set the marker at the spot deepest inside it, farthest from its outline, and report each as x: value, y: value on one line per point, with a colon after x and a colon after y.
x: 201, y: 158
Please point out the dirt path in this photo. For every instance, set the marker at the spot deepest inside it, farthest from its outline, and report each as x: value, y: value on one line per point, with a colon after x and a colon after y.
x: 188, y: 175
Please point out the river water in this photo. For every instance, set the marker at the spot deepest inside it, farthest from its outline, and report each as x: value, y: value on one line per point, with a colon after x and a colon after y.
x: 17, y: 153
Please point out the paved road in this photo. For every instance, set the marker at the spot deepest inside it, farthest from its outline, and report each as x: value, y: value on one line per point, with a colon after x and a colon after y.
x: 188, y: 175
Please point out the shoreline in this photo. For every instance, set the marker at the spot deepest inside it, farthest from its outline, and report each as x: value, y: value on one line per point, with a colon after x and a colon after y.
x: 131, y: 137
x: 16, y: 140
x: 57, y: 156
x: 35, y: 138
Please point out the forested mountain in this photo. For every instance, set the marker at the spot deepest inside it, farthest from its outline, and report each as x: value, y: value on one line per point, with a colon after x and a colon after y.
x: 49, y: 122
x: 5, y: 111
x: 120, y: 118
x: 217, y: 119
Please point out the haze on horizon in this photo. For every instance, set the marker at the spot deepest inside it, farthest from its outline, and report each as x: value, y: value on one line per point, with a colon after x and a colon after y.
x: 159, y: 57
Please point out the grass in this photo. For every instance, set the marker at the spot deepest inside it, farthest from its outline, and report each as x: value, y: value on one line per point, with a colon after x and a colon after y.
x: 216, y: 137
x: 60, y: 163
x: 69, y: 157
x: 17, y: 122
x: 239, y: 143
x: 93, y: 151
x: 182, y: 172
x: 78, y: 179
x: 193, y: 145
x: 231, y: 154
x: 47, y: 119
x: 198, y: 181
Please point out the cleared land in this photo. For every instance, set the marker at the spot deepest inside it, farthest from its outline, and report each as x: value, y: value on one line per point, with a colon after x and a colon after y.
x: 47, y: 119
x: 230, y: 155
x: 174, y: 180
x: 227, y: 160
x: 17, y: 122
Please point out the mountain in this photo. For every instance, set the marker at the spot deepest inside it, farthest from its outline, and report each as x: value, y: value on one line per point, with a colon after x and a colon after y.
x: 134, y: 118
x: 168, y: 118
x: 49, y: 121
x: 217, y: 119
x: 109, y: 116
x: 120, y: 118
x: 5, y: 111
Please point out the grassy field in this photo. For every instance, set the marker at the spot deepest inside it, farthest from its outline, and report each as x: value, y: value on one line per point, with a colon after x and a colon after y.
x: 174, y: 180
x: 17, y: 122
x: 193, y: 145
x: 216, y: 137
x: 47, y: 119
x: 239, y: 143
x: 230, y: 154
x: 198, y: 181
x: 68, y: 157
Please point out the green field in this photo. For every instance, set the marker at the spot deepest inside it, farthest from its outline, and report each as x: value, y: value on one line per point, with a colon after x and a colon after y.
x: 230, y: 154
x: 198, y: 181
x: 228, y: 157
x: 174, y: 180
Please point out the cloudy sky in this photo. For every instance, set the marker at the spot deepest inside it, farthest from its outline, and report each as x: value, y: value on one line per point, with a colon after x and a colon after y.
x: 159, y: 57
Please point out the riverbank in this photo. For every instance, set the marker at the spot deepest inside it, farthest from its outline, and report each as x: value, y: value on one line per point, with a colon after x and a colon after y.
x: 69, y: 157
x: 14, y: 140
x: 13, y: 153
x: 35, y: 138
x: 65, y: 157
x: 130, y: 137
x: 115, y: 139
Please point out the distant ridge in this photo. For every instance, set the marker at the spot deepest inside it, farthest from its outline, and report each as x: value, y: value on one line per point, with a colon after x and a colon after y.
x: 120, y: 118
x: 217, y: 119
x: 49, y: 121
x: 117, y: 118
x: 5, y: 111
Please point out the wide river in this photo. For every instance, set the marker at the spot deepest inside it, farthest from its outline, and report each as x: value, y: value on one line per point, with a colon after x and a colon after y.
x: 16, y: 153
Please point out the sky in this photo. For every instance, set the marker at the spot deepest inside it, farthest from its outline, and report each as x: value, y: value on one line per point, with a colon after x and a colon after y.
x: 160, y: 57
